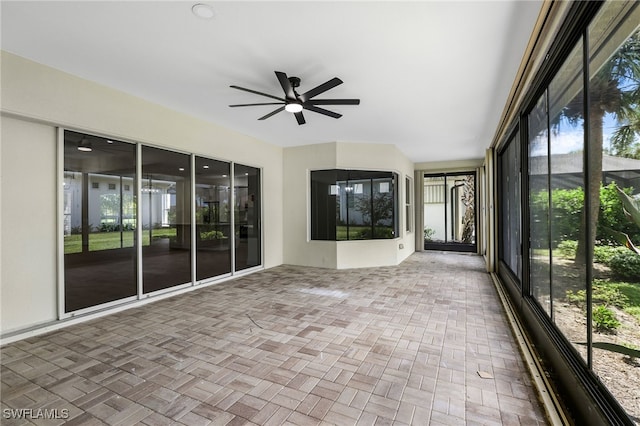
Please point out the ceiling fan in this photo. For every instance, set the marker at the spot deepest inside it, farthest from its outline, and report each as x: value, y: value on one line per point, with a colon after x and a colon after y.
x: 295, y: 103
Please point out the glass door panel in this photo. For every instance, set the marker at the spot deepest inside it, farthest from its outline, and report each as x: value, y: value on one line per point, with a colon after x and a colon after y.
x: 247, y: 231
x: 460, y: 207
x: 166, y: 219
x: 99, y: 220
x: 449, y: 212
x: 435, y: 195
x: 213, y: 218
x: 614, y: 193
x: 539, y: 251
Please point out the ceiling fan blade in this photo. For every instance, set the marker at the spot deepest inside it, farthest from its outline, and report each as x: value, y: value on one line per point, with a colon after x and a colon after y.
x: 321, y: 89
x: 286, y: 85
x: 334, y: 102
x: 258, y: 93
x: 271, y: 113
x: 299, y: 117
x: 264, y: 103
x: 322, y: 111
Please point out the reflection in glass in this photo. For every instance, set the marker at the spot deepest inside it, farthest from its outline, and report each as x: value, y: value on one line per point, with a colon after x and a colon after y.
x: 247, y: 217
x: 408, y: 213
x: 540, y: 253
x: 213, y: 218
x: 166, y: 219
x: 99, y: 220
x: 325, y: 205
x: 614, y: 137
x: 359, y: 208
x: 566, y: 150
x: 353, y: 205
x: 435, y: 196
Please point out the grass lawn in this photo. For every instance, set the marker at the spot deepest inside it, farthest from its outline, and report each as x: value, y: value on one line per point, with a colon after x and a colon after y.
x: 356, y: 232
x: 111, y: 240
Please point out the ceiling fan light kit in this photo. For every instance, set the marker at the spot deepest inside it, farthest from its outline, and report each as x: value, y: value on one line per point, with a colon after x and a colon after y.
x: 293, y: 107
x: 294, y: 103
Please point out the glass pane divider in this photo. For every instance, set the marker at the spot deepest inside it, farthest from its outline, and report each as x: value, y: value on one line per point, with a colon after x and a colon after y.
x: 194, y: 225
x: 232, y: 198
x: 60, y: 223
x: 139, y: 220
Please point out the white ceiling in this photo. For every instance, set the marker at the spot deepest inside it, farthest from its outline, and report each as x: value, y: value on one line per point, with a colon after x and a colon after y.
x: 433, y: 76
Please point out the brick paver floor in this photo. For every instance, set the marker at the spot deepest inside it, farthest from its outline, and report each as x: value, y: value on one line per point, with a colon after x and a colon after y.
x: 425, y: 342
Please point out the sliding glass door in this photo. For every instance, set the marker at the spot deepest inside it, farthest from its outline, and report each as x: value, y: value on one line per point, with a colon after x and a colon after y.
x: 449, y: 211
x: 166, y: 219
x: 248, y: 241
x: 139, y: 220
x: 99, y: 221
x: 213, y: 218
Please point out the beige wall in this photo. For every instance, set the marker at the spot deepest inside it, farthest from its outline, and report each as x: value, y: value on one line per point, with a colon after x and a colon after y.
x: 299, y: 249
x: 28, y: 228
x: 35, y: 100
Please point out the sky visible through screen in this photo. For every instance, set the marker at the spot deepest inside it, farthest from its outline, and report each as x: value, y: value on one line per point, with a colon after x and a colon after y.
x: 568, y: 138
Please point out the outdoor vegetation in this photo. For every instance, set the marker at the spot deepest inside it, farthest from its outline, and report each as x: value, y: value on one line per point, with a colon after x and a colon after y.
x: 572, y: 217
x: 113, y: 239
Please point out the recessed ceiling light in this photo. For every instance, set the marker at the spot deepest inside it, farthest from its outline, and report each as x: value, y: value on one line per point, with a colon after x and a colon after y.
x: 85, y: 145
x: 181, y: 169
x: 203, y: 11
x: 205, y: 167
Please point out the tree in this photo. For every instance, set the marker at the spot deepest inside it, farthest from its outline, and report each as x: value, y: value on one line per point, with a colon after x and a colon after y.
x: 468, y: 200
x: 614, y: 89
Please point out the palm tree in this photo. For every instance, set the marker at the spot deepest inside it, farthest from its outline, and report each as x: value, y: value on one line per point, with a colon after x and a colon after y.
x: 614, y: 89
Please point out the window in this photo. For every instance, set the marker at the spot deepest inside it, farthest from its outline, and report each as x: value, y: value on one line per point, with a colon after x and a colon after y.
x: 556, y: 198
x: 353, y: 205
x: 579, y: 129
x: 614, y: 150
x: 510, y: 252
x: 99, y: 227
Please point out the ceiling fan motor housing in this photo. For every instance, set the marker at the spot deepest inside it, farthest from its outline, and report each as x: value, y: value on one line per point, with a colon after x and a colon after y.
x: 295, y: 81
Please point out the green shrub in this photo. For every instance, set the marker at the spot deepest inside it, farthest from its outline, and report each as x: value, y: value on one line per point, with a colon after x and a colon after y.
x: 211, y: 235
x: 604, y: 293
x: 605, y: 320
x: 578, y: 298
x: 567, y: 249
x: 608, y: 294
x: 566, y: 214
x: 626, y: 265
x: 429, y: 233
x: 109, y: 227
x: 612, y: 215
x: 603, y: 254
